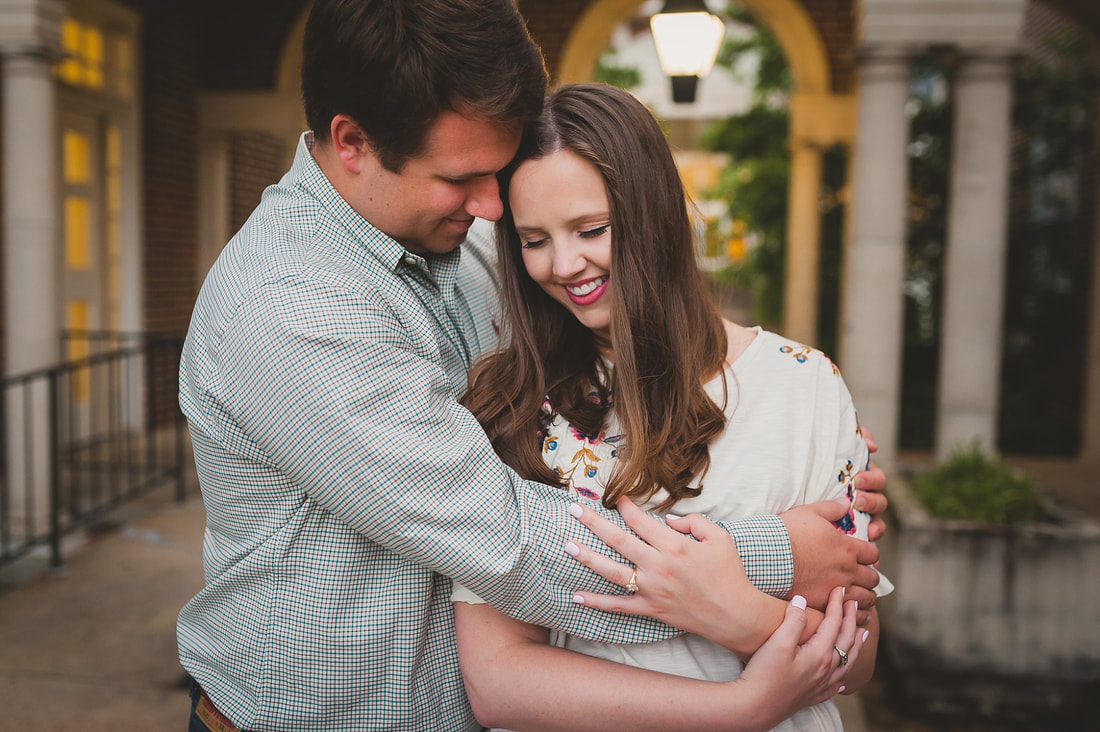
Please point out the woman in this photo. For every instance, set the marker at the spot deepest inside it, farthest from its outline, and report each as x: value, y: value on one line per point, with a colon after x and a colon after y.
x: 622, y: 382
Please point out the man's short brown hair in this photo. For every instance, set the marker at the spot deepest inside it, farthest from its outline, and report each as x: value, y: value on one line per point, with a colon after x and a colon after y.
x: 393, y: 65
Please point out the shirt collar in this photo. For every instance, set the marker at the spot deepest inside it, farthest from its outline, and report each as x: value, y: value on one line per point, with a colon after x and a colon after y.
x: 307, y: 174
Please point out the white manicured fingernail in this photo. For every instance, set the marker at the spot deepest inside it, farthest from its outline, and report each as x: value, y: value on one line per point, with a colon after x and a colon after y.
x: 575, y: 510
x: 572, y: 549
x: 864, y: 638
x: 799, y: 602
x: 841, y: 690
x: 579, y: 599
x: 671, y: 516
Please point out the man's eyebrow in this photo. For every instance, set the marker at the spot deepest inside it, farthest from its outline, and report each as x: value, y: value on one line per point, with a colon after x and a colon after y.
x: 468, y: 176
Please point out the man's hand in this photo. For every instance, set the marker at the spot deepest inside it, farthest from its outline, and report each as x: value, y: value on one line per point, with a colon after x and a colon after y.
x: 825, y: 558
x: 869, y: 486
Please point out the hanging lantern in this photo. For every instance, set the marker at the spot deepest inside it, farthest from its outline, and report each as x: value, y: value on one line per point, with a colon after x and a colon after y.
x: 687, y: 37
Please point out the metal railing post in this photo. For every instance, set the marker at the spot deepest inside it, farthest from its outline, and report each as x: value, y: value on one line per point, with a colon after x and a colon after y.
x: 53, y: 455
x: 45, y: 471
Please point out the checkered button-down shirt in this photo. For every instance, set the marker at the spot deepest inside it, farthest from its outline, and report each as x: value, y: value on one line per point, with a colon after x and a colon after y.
x: 320, y: 380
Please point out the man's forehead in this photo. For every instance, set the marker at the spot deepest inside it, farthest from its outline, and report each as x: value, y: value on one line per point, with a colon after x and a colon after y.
x: 463, y: 141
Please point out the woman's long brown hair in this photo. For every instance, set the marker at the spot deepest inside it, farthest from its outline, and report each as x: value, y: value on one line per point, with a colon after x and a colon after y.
x: 666, y: 333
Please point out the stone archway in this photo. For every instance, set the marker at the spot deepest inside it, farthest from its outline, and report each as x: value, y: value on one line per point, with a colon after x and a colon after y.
x: 786, y: 19
x: 819, y: 120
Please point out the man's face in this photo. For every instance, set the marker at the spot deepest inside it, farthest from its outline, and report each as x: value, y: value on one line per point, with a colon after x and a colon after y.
x: 429, y: 205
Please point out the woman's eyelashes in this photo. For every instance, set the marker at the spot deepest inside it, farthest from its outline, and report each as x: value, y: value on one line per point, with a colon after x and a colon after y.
x: 593, y: 233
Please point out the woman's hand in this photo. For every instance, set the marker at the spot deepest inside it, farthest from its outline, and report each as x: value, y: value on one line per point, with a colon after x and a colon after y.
x: 786, y: 676
x: 699, y: 586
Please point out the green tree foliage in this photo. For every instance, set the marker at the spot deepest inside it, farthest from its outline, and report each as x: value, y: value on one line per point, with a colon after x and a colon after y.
x: 755, y: 183
x: 931, y: 112
x: 1051, y: 234
x: 1051, y: 230
x: 609, y: 71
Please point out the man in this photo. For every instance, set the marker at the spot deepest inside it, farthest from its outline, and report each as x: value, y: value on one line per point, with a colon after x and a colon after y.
x: 343, y: 483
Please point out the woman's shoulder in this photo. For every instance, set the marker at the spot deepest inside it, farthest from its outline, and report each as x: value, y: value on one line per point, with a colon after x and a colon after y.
x: 738, y: 339
x: 797, y: 355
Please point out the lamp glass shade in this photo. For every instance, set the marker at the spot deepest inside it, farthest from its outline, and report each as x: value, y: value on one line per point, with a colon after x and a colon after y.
x: 687, y: 43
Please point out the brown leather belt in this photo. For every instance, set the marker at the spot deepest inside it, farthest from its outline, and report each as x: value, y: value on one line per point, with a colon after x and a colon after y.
x: 214, y: 720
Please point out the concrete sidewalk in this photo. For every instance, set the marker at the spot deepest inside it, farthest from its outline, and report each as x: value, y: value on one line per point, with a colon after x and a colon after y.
x: 93, y: 647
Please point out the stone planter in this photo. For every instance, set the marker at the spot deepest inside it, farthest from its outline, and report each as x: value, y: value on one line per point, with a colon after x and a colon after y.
x: 992, y: 618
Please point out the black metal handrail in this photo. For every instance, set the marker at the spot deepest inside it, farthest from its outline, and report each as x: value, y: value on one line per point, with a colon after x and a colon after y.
x: 87, y: 435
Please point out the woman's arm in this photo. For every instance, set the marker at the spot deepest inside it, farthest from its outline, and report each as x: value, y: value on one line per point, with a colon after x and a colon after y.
x: 515, y: 680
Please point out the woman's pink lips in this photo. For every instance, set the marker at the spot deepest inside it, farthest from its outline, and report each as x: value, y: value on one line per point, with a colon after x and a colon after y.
x: 590, y: 297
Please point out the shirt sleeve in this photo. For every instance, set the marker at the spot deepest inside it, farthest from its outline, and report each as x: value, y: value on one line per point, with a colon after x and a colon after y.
x: 764, y: 547
x: 765, y: 550
x: 328, y: 388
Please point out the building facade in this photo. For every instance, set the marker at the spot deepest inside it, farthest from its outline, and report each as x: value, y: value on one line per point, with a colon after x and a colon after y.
x: 138, y: 134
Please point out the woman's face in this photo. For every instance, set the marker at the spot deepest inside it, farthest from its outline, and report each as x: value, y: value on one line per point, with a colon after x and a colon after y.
x: 559, y: 206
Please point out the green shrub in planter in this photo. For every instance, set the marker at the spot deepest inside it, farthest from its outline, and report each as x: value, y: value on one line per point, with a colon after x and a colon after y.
x: 974, y: 486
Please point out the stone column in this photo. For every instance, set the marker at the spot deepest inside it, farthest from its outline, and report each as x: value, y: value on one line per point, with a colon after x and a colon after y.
x: 871, y: 319
x: 214, y: 197
x: 1090, y: 412
x: 974, y: 265
x: 29, y: 41
x: 30, y: 197
x: 800, y: 296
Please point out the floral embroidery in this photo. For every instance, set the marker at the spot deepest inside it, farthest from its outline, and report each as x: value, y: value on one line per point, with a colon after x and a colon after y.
x: 594, y: 397
x: 847, y: 473
x: 611, y: 440
x: 582, y: 475
x: 847, y: 523
x: 584, y: 437
x: 801, y: 353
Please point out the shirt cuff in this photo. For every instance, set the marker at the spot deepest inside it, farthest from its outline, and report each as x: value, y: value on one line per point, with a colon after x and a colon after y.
x: 765, y: 550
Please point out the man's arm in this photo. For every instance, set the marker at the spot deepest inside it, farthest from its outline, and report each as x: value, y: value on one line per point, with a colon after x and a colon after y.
x: 329, y: 388
x: 823, y: 559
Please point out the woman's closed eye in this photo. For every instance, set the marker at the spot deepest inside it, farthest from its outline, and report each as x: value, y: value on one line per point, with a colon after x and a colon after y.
x: 534, y: 243
x: 596, y: 232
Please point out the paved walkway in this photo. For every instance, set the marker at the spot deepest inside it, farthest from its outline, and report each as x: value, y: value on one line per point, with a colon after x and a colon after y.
x: 94, y: 647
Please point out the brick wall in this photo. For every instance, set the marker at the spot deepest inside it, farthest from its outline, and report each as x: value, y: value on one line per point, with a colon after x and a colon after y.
x: 170, y: 65
x: 549, y: 22
x: 255, y: 162
x: 170, y: 80
x: 835, y: 21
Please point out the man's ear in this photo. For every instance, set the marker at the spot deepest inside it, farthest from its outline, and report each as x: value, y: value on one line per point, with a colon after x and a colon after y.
x: 350, y: 143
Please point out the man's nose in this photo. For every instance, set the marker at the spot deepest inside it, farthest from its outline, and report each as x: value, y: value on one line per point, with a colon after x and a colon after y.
x: 484, y: 199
